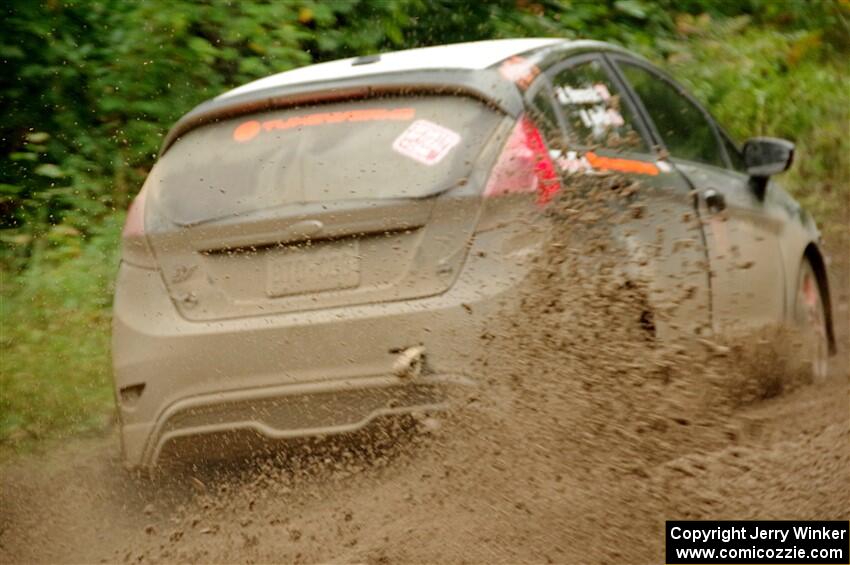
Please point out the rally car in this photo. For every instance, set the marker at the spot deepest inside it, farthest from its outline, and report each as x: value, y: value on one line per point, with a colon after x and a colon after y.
x: 324, y: 246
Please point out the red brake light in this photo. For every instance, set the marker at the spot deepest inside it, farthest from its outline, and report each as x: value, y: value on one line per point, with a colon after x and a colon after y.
x: 134, y: 225
x: 134, y: 245
x: 524, y: 165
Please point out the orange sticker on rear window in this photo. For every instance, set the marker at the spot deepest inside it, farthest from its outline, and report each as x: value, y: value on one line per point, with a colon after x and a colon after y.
x: 246, y: 131
x: 621, y: 165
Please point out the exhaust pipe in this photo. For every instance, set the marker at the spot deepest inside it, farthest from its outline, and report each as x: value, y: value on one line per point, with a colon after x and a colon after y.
x: 409, y: 363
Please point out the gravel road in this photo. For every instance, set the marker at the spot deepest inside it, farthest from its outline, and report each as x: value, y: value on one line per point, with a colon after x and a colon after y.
x: 586, y: 436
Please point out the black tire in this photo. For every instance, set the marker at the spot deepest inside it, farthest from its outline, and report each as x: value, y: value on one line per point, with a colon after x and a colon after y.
x: 810, y: 316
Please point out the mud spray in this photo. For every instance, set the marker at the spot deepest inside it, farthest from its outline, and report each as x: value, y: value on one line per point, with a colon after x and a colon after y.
x: 588, y: 432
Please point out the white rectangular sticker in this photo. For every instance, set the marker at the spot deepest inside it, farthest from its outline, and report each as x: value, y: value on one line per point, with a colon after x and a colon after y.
x: 426, y: 142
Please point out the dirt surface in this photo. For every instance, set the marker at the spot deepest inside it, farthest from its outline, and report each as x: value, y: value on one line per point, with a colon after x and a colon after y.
x: 585, y: 437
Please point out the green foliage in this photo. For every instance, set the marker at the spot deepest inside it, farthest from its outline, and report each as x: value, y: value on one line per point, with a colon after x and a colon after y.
x: 54, y: 337
x: 93, y: 87
x: 787, y: 84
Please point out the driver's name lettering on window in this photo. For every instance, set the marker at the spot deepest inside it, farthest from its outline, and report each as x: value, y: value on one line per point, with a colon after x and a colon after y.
x: 596, y: 94
x: 595, y: 113
x: 598, y: 118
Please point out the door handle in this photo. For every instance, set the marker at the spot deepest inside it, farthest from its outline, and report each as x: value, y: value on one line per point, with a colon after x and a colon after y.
x: 714, y: 201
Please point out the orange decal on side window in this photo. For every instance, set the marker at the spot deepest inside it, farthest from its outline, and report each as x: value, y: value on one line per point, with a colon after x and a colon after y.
x: 247, y: 131
x: 621, y: 165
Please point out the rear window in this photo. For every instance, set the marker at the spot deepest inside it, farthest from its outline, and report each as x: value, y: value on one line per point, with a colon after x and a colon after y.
x: 407, y: 147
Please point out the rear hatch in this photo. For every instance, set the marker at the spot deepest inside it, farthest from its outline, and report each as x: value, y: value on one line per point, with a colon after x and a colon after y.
x: 320, y: 206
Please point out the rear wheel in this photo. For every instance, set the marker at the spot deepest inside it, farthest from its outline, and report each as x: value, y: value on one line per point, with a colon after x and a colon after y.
x: 810, y: 317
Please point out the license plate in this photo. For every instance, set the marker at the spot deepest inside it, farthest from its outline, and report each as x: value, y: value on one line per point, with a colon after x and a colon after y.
x: 312, y: 269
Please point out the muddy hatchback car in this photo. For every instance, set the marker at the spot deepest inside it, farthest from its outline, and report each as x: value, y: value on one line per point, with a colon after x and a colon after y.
x: 326, y: 246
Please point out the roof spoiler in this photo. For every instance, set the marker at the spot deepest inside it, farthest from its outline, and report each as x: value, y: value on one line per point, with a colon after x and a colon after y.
x: 484, y: 85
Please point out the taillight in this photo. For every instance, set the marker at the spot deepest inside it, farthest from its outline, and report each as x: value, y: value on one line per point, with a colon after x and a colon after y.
x: 134, y: 225
x: 134, y: 244
x: 524, y: 165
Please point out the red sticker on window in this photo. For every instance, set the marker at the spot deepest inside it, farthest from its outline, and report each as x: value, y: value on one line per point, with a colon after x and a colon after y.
x: 426, y: 142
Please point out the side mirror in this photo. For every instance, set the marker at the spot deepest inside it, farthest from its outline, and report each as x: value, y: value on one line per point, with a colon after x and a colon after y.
x: 766, y: 156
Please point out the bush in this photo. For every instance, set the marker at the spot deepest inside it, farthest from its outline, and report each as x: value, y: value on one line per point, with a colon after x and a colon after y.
x: 54, y: 345
x: 771, y: 82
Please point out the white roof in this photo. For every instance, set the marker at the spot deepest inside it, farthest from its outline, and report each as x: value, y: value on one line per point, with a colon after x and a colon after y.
x: 473, y: 55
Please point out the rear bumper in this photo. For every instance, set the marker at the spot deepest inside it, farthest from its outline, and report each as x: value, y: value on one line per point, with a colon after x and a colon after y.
x: 287, y: 411
x: 291, y: 375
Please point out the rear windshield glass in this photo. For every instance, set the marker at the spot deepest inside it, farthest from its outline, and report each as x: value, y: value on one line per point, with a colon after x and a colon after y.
x: 370, y: 149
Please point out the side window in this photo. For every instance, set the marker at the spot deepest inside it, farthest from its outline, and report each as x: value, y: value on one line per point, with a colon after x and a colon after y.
x: 683, y: 127
x: 735, y: 156
x: 595, y: 113
x: 543, y: 113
